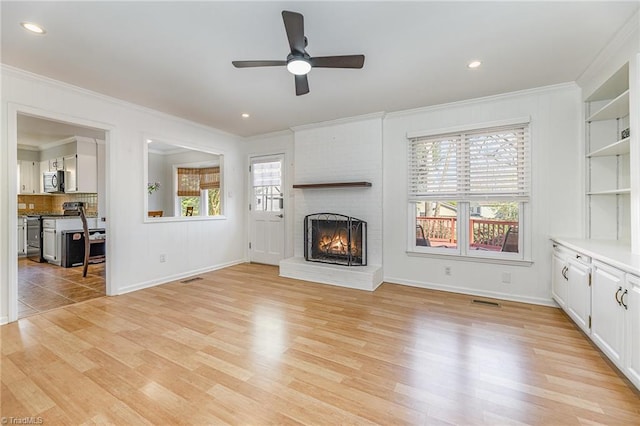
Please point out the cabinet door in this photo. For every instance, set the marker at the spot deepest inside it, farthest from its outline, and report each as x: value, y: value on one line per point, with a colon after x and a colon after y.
x: 20, y: 239
x: 578, y: 293
x: 71, y: 175
x: 49, y: 244
x: 27, y: 177
x: 607, y: 317
x: 632, y: 324
x: 558, y: 280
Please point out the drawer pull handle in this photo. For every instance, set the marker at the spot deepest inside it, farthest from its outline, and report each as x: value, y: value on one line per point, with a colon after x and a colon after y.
x: 622, y: 299
x: 618, y: 292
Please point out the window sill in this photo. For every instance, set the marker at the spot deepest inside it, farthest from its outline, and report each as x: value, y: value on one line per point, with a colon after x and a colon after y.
x: 164, y: 219
x: 491, y: 260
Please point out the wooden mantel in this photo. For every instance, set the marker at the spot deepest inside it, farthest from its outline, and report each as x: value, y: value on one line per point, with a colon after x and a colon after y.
x: 333, y: 185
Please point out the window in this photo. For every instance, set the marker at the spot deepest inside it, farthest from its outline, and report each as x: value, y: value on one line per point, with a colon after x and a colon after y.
x: 469, y: 192
x: 198, y: 191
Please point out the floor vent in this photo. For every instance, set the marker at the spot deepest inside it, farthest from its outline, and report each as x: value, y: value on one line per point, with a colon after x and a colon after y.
x: 485, y: 303
x: 190, y: 280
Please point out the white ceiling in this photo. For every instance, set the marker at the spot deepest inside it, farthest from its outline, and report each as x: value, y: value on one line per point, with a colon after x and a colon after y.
x: 176, y: 57
x: 36, y: 132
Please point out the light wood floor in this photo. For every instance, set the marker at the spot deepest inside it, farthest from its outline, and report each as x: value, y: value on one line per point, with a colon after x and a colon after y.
x: 243, y: 346
x: 43, y: 286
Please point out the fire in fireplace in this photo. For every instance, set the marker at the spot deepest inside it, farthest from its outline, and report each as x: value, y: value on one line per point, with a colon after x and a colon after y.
x: 335, y: 238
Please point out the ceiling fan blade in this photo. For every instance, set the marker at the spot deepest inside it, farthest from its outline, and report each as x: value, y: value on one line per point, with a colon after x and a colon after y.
x: 294, y: 26
x: 347, y: 61
x: 302, y: 85
x: 250, y: 64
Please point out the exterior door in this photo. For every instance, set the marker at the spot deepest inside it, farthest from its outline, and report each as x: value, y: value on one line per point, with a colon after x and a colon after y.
x: 267, y: 210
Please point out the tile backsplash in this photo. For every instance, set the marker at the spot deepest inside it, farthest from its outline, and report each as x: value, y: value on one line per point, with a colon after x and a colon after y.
x: 34, y: 204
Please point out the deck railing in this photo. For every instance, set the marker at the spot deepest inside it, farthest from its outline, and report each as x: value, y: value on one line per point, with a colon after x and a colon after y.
x: 484, y: 233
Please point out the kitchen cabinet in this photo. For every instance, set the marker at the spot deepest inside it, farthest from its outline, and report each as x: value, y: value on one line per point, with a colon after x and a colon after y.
x: 49, y: 245
x: 52, y: 235
x: 21, y: 236
x: 608, y: 312
x: 82, y: 168
x: 29, y: 173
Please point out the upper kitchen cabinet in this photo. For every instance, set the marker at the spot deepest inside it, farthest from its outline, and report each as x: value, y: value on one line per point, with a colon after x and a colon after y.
x: 607, y: 147
x: 29, y: 177
x: 82, y: 167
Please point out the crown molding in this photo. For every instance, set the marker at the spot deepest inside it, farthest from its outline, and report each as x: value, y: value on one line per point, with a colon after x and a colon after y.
x: 628, y: 32
x: 484, y: 99
x: 20, y: 73
x: 339, y: 121
x: 275, y: 134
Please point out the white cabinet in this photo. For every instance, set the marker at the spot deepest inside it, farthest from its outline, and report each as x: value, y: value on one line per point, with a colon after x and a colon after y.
x: 559, y: 279
x: 21, y: 236
x: 570, y: 284
x: 82, y: 168
x: 49, y: 245
x: 608, y: 312
x: 607, y: 145
x: 632, y: 326
x: 29, y: 172
x: 579, y: 293
x: 603, y: 300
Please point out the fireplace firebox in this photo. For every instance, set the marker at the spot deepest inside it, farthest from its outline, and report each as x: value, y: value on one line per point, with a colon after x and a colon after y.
x: 335, y: 238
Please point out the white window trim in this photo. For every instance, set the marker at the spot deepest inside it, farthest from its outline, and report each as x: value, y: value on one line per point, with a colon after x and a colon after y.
x: 462, y: 252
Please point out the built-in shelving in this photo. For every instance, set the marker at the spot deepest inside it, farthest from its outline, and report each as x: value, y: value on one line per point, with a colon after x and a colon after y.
x: 608, y: 163
x: 619, y: 107
x: 620, y: 147
x: 333, y: 185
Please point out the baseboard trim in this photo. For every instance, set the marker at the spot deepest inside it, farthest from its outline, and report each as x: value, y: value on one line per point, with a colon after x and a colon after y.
x: 176, y: 277
x: 472, y: 292
x: 4, y: 320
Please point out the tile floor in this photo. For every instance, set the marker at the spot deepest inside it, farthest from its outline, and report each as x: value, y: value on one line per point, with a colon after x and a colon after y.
x: 42, y: 286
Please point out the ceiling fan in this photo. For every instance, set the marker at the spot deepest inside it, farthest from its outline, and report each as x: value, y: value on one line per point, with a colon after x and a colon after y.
x: 298, y: 61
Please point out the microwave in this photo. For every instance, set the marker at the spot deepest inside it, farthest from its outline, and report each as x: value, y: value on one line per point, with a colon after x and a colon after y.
x: 53, y: 181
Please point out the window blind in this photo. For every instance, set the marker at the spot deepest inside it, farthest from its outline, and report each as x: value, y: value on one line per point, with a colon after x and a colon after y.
x: 188, y: 182
x: 485, y: 163
x: 210, y: 178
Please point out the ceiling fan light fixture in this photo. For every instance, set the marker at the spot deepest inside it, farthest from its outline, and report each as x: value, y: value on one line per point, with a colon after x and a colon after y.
x: 31, y: 27
x: 474, y: 64
x: 298, y: 66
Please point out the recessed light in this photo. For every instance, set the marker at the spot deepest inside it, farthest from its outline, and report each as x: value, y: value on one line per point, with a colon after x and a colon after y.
x: 34, y: 28
x: 245, y: 115
x: 474, y: 64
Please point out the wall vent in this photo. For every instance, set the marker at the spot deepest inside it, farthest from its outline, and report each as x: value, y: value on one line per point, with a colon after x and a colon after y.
x: 190, y: 280
x: 485, y: 303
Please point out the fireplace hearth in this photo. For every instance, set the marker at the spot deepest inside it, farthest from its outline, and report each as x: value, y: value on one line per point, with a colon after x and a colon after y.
x: 336, y: 239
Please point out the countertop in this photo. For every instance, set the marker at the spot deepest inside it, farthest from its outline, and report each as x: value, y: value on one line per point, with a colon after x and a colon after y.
x: 610, y: 252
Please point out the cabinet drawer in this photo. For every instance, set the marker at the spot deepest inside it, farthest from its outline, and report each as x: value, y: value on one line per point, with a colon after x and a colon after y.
x: 48, y: 223
x: 567, y: 253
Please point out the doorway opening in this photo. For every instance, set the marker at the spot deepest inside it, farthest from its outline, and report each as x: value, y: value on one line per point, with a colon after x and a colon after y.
x: 58, y: 161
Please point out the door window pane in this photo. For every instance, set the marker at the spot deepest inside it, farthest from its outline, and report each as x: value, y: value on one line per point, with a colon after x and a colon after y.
x: 436, y: 224
x: 267, y: 186
x: 494, y: 226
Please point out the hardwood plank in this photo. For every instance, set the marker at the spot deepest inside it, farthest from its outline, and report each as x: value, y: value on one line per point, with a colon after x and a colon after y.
x: 244, y: 346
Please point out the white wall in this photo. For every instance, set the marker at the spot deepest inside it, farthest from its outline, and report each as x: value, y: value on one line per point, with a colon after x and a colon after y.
x: 556, y: 200
x: 133, y: 246
x: 341, y: 151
